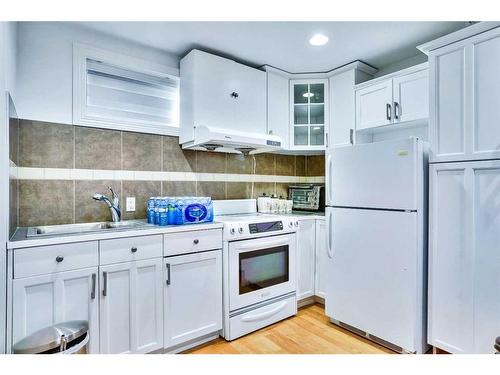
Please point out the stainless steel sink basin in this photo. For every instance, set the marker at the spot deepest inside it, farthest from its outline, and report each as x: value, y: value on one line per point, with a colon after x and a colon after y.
x: 58, y: 230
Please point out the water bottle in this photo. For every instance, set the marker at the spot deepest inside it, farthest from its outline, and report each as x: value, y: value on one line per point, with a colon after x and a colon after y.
x: 151, y: 210
x: 163, y: 213
x: 157, y: 211
x: 179, y: 206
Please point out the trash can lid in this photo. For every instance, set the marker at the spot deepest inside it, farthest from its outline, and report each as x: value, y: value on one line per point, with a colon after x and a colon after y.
x: 50, y: 337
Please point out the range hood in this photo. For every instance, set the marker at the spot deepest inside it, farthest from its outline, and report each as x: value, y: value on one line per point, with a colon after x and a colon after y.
x: 233, y: 141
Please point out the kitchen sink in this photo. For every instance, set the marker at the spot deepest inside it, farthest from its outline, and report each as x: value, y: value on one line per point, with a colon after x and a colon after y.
x: 67, y: 229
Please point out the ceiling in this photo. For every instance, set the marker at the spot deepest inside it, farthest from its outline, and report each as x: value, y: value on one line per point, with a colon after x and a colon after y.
x: 286, y: 44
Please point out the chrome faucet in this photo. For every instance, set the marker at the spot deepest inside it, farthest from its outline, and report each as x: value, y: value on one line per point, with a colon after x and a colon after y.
x: 114, y: 206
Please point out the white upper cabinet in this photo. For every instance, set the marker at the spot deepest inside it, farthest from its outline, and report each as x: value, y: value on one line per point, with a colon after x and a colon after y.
x: 399, y: 97
x: 464, y: 92
x: 374, y: 105
x: 308, y: 114
x: 219, y: 92
x: 278, y: 113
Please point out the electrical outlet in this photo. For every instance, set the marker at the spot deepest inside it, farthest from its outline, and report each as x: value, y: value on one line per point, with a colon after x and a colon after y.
x: 130, y: 203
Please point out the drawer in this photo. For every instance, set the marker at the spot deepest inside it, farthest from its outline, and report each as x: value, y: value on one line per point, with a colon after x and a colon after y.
x: 192, y: 241
x: 250, y: 321
x: 130, y: 248
x: 41, y: 260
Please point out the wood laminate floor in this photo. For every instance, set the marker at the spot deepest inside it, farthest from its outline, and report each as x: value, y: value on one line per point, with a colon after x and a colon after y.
x: 309, y: 332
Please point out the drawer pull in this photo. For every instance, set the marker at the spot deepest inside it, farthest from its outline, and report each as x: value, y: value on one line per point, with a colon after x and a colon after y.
x: 59, y: 259
x: 134, y: 249
x: 168, y: 273
x: 196, y: 241
x: 92, y: 293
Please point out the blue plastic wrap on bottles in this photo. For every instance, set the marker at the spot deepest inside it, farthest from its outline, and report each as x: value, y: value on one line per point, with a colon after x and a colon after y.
x: 197, y: 210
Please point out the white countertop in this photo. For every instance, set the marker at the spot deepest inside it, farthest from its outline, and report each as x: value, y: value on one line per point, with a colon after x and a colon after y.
x: 19, y: 239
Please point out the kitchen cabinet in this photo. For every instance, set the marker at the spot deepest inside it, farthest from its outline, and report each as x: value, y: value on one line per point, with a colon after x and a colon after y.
x: 464, y: 308
x: 321, y: 257
x: 278, y: 113
x: 397, y: 98
x: 43, y: 300
x: 306, y: 244
x: 192, y: 297
x: 131, y: 306
x: 465, y: 85
x: 219, y: 92
x: 309, y: 113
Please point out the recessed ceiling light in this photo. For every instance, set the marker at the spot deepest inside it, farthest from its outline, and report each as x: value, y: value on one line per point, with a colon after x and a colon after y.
x: 318, y: 40
x: 308, y: 95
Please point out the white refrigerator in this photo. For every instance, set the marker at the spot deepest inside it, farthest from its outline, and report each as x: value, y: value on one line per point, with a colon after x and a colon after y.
x: 377, y: 241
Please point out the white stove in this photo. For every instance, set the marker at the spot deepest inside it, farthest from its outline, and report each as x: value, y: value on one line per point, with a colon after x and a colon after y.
x: 259, y: 269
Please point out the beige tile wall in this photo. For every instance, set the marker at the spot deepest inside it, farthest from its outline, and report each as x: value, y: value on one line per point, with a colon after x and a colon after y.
x: 49, y: 145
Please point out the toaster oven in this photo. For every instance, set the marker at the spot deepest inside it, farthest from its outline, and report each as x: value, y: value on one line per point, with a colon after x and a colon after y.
x: 307, y: 197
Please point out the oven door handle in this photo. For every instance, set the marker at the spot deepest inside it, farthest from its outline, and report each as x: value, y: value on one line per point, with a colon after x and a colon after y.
x: 263, y: 244
x: 264, y: 315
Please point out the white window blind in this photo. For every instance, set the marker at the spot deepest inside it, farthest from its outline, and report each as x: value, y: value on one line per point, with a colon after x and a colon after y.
x: 121, y: 95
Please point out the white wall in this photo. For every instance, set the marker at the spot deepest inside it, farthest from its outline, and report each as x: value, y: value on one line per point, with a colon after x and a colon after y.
x: 402, y: 64
x: 45, y: 58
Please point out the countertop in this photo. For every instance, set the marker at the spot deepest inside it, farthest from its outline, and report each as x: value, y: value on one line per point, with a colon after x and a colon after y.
x: 19, y: 239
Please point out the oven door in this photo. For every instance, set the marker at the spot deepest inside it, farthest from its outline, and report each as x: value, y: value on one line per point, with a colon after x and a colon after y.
x: 261, y: 269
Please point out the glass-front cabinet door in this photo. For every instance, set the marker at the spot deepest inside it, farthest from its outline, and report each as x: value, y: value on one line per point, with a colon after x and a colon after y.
x: 308, y: 113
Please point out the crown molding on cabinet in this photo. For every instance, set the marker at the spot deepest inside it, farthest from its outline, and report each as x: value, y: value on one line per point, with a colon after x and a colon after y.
x: 358, y: 64
x: 456, y: 36
x: 399, y: 73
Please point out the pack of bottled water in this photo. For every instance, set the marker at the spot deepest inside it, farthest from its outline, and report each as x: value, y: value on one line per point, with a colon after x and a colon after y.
x: 164, y: 211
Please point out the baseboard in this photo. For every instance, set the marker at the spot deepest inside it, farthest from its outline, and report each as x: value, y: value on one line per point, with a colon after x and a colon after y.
x: 310, y: 301
x: 192, y: 344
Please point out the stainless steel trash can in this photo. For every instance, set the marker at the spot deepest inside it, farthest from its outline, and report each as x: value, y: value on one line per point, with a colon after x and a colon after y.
x: 63, y: 338
x: 497, y: 345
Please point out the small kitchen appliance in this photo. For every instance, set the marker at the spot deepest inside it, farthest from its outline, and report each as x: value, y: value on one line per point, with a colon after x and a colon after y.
x: 307, y: 197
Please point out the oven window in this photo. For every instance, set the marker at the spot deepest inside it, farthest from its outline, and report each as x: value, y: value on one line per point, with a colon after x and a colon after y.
x: 301, y: 197
x: 263, y: 268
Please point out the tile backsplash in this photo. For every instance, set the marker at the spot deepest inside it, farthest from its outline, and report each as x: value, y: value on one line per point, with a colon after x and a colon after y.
x: 62, y: 200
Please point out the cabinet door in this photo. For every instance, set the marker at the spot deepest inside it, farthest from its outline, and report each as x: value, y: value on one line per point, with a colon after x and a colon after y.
x: 278, y: 107
x: 485, y: 194
x: 321, y: 259
x: 131, y: 307
x: 374, y: 105
x: 342, y: 109
x: 42, y: 301
x: 192, y: 297
x: 250, y: 106
x: 450, y: 260
x: 411, y: 96
x: 306, y: 239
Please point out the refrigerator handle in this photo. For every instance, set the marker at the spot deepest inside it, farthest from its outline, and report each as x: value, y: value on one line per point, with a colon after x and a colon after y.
x: 329, y: 241
x: 328, y: 179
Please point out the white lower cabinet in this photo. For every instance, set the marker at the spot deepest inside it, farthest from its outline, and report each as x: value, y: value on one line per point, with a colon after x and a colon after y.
x: 131, y: 306
x: 41, y: 301
x: 306, y: 238
x: 464, y: 291
x: 321, y: 259
x: 192, y: 297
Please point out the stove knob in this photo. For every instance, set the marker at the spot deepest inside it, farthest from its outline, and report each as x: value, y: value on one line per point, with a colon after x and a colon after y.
x: 232, y: 231
x: 297, y: 223
x: 290, y: 224
x: 240, y: 229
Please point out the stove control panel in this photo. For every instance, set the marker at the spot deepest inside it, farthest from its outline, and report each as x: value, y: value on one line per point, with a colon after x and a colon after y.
x: 265, y: 227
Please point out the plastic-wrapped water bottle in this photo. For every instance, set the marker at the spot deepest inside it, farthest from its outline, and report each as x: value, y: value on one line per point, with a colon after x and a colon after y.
x: 163, y: 219
x: 150, y: 210
x: 157, y: 211
x: 178, y: 208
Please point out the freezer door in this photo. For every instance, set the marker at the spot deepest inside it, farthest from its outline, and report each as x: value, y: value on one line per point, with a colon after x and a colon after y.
x: 377, y: 175
x: 375, y: 278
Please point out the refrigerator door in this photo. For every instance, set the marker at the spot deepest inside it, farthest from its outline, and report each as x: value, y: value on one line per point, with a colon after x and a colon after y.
x: 374, y: 281
x: 377, y: 175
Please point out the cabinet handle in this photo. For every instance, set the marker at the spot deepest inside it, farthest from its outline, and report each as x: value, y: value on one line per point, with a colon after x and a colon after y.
x: 388, y: 111
x: 234, y: 95
x: 326, y: 140
x: 105, y: 282
x: 134, y: 249
x: 168, y: 273
x: 59, y: 258
x: 92, y: 293
x: 196, y: 241
x: 396, y: 111
x: 351, y: 136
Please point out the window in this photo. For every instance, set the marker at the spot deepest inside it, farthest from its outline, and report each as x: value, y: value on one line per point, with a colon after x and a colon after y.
x: 118, y: 92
